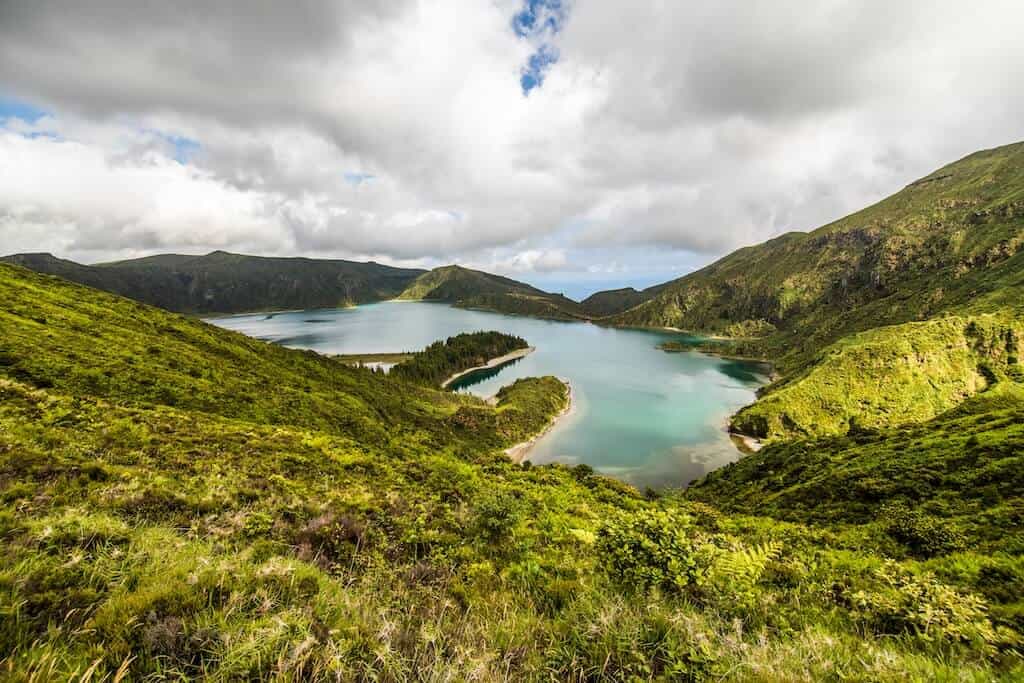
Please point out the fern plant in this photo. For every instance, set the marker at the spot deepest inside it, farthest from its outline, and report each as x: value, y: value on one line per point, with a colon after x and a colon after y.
x: 735, y: 573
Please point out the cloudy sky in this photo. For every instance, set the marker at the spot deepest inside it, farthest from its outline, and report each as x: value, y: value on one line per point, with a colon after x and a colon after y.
x: 573, y: 144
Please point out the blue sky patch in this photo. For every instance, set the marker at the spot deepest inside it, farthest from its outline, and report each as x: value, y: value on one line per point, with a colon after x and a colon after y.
x: 539, y: 21
x: 11, y: 108
x: 536, y: 68
x: 540, y: 16
x: 356, y: 178
x: 184, y: 148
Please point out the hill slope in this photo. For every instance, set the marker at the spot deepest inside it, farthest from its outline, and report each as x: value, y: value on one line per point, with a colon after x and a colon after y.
x: 889, y: 376
x: 220, y: 282
x: 476, y: 289
x: 950, y: 241
x: 966, y: 463
x: 180, y: 501
x: 612, y: 301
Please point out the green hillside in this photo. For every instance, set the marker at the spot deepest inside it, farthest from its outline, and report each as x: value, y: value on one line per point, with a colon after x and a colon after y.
x: 889, y: 376
x: 612, y: 301
x: 950, y: 241
x: 179, y: 501
x: 475, y: 289
x: 965, y: 465
x: 220, y: 282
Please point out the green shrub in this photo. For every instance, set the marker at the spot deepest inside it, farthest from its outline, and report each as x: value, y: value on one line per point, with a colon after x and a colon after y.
x: 257, y: 524
x: 495, y: 516
x: 650, y: 548
x: 923, y: 535
x: 921, y: 605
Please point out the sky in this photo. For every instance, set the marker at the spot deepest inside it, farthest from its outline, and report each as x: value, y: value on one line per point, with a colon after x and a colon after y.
x: 573, y: 144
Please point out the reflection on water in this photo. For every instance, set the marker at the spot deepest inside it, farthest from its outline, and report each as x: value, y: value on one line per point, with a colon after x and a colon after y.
x: 304, y: 341
x: 471, y: 379
x: 745, y: 371
x: 648, y: 417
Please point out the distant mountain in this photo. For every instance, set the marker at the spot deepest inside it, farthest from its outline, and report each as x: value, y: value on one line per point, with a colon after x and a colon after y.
x: 220, y: 282
x: 475, y: 289
x: 613, y: 301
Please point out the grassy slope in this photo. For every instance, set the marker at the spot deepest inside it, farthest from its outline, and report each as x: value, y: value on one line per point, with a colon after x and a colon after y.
x: 888, y: 376
x: 475, y: 289
x: 942, y: 243
x: 966, y: 465
x: 229, y: 283
x: 214, y: 506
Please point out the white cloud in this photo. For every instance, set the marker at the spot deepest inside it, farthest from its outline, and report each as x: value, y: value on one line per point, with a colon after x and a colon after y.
x: 530, y: 261
x: 664, y: 129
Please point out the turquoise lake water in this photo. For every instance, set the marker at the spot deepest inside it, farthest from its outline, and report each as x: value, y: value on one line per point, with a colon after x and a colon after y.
x: 640, y: 414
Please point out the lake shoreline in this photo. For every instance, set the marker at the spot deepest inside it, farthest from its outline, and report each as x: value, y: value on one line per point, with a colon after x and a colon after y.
x: 637, y: 405
x: 492, y: 363
x: 360, y: 358
x: 745, y: 444
x: 519, y: 451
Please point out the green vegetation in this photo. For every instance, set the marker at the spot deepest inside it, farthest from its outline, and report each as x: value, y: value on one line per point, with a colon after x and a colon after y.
x: 443, y: 359
x: 220, y: 282
x: 612, y: 301
x: 177, y: 500
x: 966, y: 464
x: 474, y: 289
x: 888, y: 376
x: 521, y: 409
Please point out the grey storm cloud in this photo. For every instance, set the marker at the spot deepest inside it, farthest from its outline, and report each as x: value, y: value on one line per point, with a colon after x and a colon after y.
x: 398, y: 130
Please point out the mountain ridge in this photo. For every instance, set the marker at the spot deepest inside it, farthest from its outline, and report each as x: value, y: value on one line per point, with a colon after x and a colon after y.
x: 953, y: 224
x: 468, y: 288
x: 224, y: 282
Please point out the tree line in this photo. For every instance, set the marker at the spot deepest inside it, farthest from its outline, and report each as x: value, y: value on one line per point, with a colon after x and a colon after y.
x: 442, y: 359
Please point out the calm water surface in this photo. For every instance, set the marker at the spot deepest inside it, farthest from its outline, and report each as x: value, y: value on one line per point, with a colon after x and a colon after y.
x: 645, y: 416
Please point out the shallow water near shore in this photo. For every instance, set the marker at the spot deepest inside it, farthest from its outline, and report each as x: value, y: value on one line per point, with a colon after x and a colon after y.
x: 642, y: 415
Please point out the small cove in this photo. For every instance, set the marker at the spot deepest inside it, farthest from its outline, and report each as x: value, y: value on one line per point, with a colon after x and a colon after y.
x: 640, y: 414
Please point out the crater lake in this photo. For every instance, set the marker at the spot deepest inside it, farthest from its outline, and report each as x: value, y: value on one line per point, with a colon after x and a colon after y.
x: 640, y: 414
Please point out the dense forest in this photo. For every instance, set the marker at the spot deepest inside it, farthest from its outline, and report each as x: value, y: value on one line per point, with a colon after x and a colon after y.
x: 442, y: 359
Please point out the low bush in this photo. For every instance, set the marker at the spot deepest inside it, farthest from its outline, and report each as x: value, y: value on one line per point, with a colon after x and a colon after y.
x: 903, y: 603
x: 924, y: 535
